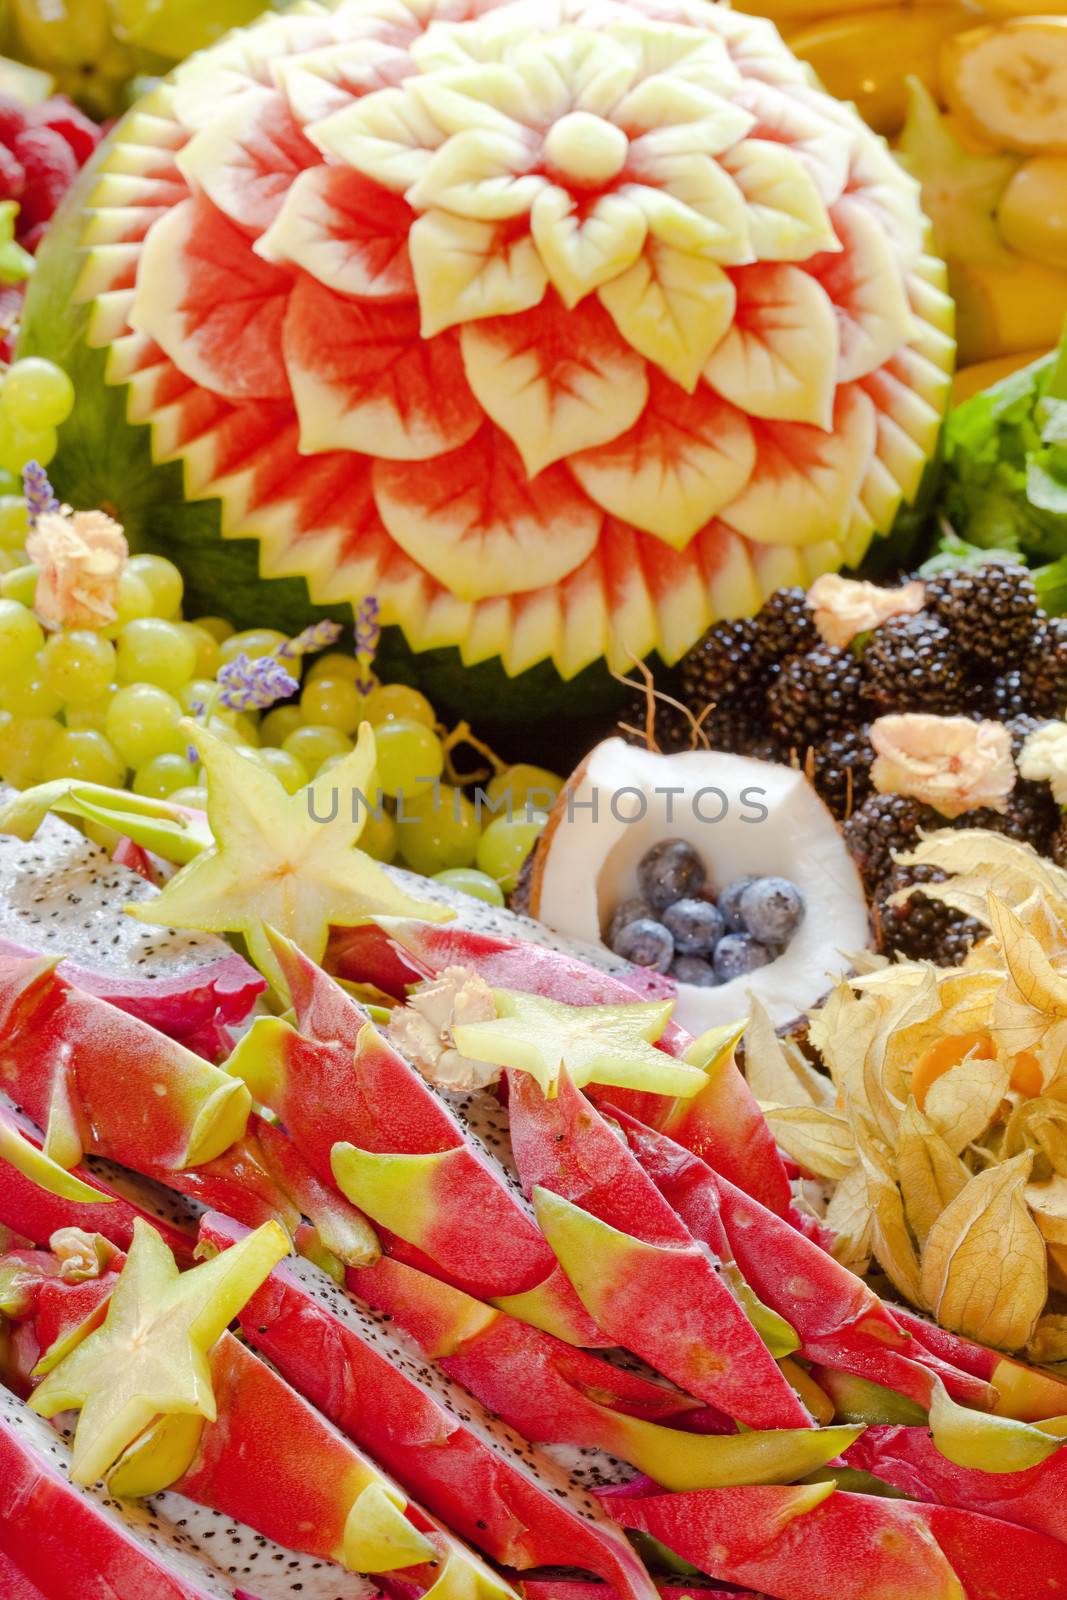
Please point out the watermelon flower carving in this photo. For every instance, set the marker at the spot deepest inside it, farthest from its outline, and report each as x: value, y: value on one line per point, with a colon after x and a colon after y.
x: 563, y: 328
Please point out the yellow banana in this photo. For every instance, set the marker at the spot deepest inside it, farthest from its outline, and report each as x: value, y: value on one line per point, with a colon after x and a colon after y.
x: 1010, y: 82
x: 1018, y: 306
x: 1033, y: 210
x: 866, y: 56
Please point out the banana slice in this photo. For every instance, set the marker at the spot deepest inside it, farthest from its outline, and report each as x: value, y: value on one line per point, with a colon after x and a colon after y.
x: 1010, y: 82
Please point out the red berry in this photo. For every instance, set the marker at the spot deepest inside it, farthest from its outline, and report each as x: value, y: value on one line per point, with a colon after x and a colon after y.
x: 50, y: 170
x: 73, y: 125
x: 12, y: 118
x: 12, y: 175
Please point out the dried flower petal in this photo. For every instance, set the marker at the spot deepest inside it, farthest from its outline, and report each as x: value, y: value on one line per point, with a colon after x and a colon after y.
x: 819, y: 1140
x: 777, y: 1070
x: 1044, y: 758
x: 845, y: 607
x: 950, y: 763
x: 929, y: 1173
x: 81, y: 556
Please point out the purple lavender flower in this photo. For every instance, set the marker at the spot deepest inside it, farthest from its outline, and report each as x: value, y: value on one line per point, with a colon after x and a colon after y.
x: 368, y: 637
x: 253, y: 685
x: 40, y: 496
x: 320, y: 636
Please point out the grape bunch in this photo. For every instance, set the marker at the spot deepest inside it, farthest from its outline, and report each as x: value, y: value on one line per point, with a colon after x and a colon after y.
x: 106, y: 705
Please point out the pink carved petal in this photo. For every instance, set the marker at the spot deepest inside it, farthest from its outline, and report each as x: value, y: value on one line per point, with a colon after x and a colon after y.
x: 247, y: 163
x: 348, y: 233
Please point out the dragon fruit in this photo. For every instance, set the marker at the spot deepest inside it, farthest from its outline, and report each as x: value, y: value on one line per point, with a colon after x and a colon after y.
x: 63, y: 895
x: 564, y: 333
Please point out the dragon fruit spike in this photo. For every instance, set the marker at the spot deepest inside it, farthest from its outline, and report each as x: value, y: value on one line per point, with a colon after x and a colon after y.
x: 553, y: 1394
x: 25, y: 1155
x: 459, y: 1460
x: 341, y: 1230
x: 66, y: 1543
x: 1028, y: 1393
x: 404, y: 1159
x: 637, y: 1268
x: 74, y: 1063
x: 724, y: 1118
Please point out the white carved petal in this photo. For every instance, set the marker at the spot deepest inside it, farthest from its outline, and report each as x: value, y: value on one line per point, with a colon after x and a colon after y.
x: 806, y: 480
x: 667, y: 116
x: 555, y: 381
x: 695, y: 205
x: 479, y: 174
x: 466, y: 269
x: 867, y: 289
x: 823, y: 144
x: 779, y: 359
x: 582, y: 253
x: 457, y: 45
x: 684, y: 458
x: 684, y: 54
x: 574, y: 70
x: 323, y: 82
x: 493, y: 96
x: 674, y: 307
x: 387, y: 136
x: 342, y: 229
x: 786, y: 216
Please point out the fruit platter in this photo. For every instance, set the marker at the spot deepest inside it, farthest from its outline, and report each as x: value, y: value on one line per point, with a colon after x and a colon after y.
x: 533, y: 800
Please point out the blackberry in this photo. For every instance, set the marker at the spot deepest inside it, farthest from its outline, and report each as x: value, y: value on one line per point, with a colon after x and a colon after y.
x: 735, y: 725
x: 729, y: 662
x: 883, y: 823
x: 840, y: 770
x: 1032, y: 816
x: 786, y: 625
x: 920, y: 928
x: 1043, y: 670
x: 814, y: 694
x: 910, y: 664
x: 1007, y: 696
x: 991, y: 611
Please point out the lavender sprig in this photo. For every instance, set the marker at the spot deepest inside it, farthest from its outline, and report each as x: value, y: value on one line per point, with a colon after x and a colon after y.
x: 253, y: 685
x: 39, y: 494
x: 368, y: 637
x: 320, y: 636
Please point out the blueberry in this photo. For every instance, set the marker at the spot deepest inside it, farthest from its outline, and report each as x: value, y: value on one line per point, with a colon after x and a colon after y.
x: 696, y: 926
x: 690, y: 969
x: 646, y: 943
x: 772, y: 909
x: 626, y: 912
x: 739, y: 954
x: 730, y: 902
x: 670, y: 871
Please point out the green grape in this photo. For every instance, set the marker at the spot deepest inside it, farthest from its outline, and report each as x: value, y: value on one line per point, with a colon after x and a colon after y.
x: 93, y: 714
x: 392, y: 701
x: 290, y: 773
x: 78, y: 666
x: 132, y: 602
x: 24, y: 745
x: 21, y: 636
x: 335, y: 664
x: 504, y: 846
x: 207, y: 649
x: 159, y: 778
x: 24, y: 692
x: 14, y: 522
x: 242, y: 725
x: 37, y: 394
x: 253, y: 643
x: 83, y: 753
x: 10, y: 560
x: 312, y: 745
x: 162, y: 580
x: 142, y: 723
x: 332, y: 703
x: 437, y: 829
x: 21, y: 585
x: 278, y: 724
x: 378, y: 839
x: 524, y: 783
x: 195, y: 795
x: 468, y: 880
x: 410, y: 756
x: 198, y: 692
x: 19, y: 445
x: 154, y: 651
x: 219, y: 629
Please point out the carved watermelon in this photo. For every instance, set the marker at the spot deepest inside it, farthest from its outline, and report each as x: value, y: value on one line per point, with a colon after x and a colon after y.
x: 565, y: 327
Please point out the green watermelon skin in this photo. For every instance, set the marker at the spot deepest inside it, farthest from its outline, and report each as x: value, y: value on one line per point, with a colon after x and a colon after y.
x: 107, y: 460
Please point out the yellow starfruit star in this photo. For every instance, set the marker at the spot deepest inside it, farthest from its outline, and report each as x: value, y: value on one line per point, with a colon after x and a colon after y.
x: 287, y: 860
x: 597, y: 1044
x: 149, y: 1357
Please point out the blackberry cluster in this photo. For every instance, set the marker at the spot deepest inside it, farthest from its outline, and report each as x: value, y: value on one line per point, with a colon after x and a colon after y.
x: 882, y: 824
x: 991, y: 611
x: 840, y: 770
x: 911, y: 664
x: 813, y: 694
x: 920, y: 928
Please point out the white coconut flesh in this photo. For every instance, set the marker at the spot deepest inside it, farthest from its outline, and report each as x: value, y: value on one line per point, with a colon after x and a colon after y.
x: 210, y: 1555
x: 586, y: 868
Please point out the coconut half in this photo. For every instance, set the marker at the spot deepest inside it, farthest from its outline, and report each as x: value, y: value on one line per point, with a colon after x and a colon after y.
x: 742, y: 816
